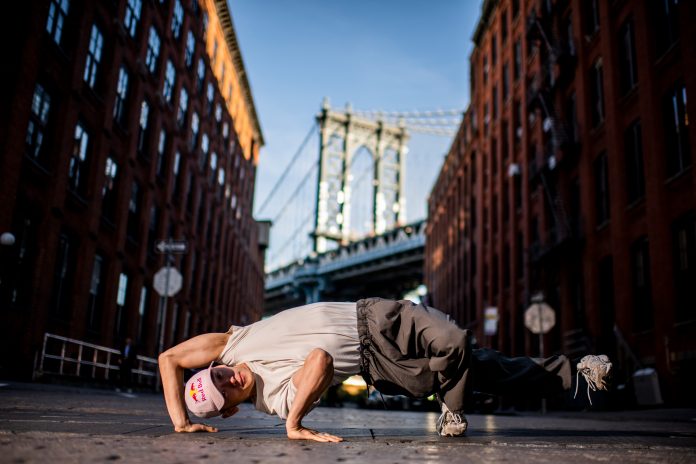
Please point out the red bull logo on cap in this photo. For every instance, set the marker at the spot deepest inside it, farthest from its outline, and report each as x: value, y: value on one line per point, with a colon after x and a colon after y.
x: 197, y: 389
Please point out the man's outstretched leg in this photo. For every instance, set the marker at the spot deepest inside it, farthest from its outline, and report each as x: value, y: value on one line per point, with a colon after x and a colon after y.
x: 491, y: 372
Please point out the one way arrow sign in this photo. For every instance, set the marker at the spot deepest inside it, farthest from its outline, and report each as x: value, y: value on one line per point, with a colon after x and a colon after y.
x: 171, y: 246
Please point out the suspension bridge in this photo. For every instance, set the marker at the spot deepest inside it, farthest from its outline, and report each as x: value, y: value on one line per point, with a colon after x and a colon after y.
x: 340, y: 228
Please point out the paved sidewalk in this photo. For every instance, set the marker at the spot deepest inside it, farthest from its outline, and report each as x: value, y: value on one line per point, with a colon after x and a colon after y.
x: 63, y: 424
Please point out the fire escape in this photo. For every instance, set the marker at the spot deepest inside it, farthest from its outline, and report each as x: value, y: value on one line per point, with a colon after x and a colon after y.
x: 559, y: 147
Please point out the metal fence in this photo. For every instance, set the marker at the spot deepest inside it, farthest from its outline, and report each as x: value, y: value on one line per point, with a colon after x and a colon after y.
x: 64, y: 356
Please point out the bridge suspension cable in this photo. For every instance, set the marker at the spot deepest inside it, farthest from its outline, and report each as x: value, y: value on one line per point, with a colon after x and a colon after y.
x: 295, y: 192
x: 433, y: 122
x: 295, y: 157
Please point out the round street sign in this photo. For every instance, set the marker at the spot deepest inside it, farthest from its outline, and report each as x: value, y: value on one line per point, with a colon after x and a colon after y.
x: 164, y: 287
x: 539, y: 318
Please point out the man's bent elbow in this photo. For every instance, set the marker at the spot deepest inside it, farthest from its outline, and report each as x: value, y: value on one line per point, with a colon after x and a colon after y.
x: 321, y: 357
x: 165, y: 360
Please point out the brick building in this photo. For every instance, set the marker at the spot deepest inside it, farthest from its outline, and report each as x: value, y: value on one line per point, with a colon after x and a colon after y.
x: 125, y: 122
x: 572, y: 175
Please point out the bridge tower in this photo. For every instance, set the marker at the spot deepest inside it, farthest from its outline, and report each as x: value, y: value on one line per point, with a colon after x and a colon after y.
x: 341, y: 135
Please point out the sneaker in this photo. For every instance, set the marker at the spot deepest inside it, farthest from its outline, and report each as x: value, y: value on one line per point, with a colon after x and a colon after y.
x: 596, y: 370
x: 451, y: 424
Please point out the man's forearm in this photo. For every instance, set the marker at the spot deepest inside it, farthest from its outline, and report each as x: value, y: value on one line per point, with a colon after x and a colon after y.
x: 172, y: 385
x: 311, y: 383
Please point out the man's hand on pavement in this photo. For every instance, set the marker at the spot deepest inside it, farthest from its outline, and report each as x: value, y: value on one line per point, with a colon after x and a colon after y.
x: 303, y: 433
x: 192, y: 428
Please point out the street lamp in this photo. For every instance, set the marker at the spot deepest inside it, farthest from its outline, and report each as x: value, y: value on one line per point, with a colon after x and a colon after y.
x: 7, y: 239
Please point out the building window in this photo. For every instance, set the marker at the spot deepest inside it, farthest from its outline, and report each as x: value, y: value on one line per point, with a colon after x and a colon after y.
x: 494, y: 103
x: 142, y: 125
x: 515, y: 8
x: 574, y: 207
x: 506, y: 266
x: 201, y: 75
x: 213, y: 60
x: 194, y: 131
x: 601, y: 174
x: 190, y: 48
x: 676, y: 123
x: 120, y: 319
x: 591, y: 17
x: 485, y: 70
x: 221, y: 177
x: 684, y: 240
x: 142, y: 309
x: 218, y: 113
x: 486, y: 118
x: 169, y: 80
x: 518, y: 59
x: 57, y: 12
x: 134, y: 211
x: 567, y: 28
x: 605, y: 307
x: 504, y: 26
x: 572, y: 119
x: 17, y: 286
x: 77, y: 169
x: 633, y: 149
x: 109, y: 189
x: 506, y: 81
x: 204, y: 151
x: 96, y: 42
x: 519, y: 256
x: 96, y: 293
x: 153, y: 47
x: 642, y: 293
x: 664, y: 17
x: 627, y: 67
x: 210, y: 96
x: 213, y: 166
x: 38, y: 121
x: 161, y: 145
x: 190, y: 192
x: 519, y: 118
x: 152, y: 229
x: 63, y: 275
x: 183, y: 107
x: 494, y: 50
x: 132, y: 16
x: 229, y: 93
x: 597, y: 93
x: 177, y: 19
x: 121, y: 94
x: 177, y: 177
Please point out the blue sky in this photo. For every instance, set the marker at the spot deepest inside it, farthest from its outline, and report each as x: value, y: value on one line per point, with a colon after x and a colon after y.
x: 390, y: 55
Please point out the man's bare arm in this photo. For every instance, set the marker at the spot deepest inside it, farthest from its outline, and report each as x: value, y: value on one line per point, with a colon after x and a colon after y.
x: 311, y: 380
x: 194, y: 353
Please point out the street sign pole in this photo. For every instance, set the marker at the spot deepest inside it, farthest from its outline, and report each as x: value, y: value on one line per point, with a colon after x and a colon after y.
x: 163, y: 302
x: 538, y: 299
x: 541, y: 333
x: 168, y: 248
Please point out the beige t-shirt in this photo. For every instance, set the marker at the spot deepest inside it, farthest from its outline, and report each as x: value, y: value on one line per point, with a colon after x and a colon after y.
x: 275, y: 348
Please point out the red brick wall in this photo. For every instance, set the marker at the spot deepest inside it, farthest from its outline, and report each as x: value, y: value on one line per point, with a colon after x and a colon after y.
x: 224, y: 246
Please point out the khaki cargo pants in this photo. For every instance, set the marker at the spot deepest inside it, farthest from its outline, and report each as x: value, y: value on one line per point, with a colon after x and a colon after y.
x: 417, y: 351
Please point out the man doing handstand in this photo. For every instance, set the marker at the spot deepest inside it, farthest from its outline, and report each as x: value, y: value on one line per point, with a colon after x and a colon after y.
x: 284, y: 364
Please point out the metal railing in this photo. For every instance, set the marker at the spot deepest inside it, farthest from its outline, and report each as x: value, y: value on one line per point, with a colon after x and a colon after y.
x: 69, y: 357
